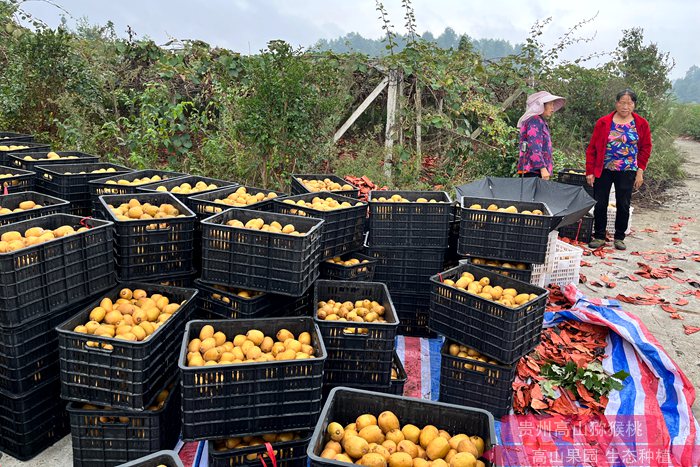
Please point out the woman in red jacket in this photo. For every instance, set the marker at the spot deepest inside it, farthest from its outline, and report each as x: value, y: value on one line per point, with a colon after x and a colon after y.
x: 617, y: 155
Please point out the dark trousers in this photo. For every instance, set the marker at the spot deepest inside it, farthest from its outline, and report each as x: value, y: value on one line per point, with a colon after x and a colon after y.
x: 532, y: 174
x: 624, y: 183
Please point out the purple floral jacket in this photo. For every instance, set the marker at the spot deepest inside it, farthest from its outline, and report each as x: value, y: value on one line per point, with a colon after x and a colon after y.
x: 535, y: 146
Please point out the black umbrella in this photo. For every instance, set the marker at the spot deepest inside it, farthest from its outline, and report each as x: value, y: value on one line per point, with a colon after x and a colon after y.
x: 568, y: 203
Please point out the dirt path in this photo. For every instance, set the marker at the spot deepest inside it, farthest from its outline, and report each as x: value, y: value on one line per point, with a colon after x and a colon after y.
x: 684, y: 202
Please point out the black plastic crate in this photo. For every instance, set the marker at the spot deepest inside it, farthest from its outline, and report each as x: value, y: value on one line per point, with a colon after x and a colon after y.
x: 413, y: 310
x: 503, y: 235
x: 474, y: 383
x: 39, y: 158
x: 523, y: 275
x: 185, y: 280
x: 398, y: 383
x: 357, y: 358
x: 50, y: 205
x: 37, y: 280
x: 205, y: 205
x: 110, y: 185
x: 12, y: 137
x: 298, y: 188
x: 577, y: 177
x: 165, y: 458
x: 215, y: 303
x: 66, y: 182
x: 29, y: 353
x: 344, y: 405
x: 453, y: 238
x: 32, y: 421
x: 146, y: 248
x: 343, y: 230
x: 288, y: 454
x: 250, y: 399
x: 109, y: 437
x: 257, y: 260
x: 502, y: 333
x: 297, y: 306
x: 364, y: 271
x: 21, y: 180
x: 192, y: 180
x: 410, y: 225
x: 404, y: 268
x: 131, y: 374
x: 581, y: 231
x: 32, y: 147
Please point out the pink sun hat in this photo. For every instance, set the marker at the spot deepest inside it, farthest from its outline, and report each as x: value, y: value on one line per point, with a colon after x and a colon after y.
x: 535, y: 104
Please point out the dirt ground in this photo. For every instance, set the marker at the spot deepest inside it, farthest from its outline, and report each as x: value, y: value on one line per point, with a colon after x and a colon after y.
x: 653, y: 231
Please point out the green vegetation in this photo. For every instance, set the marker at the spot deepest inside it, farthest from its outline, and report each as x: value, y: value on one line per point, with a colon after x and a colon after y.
x: 256, y: 119
x: 687, y: 89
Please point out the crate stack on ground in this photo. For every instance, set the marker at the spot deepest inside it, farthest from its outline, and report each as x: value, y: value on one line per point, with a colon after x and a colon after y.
x: 514, y: 243
x: 362, y: 356
x: 272, y: 395
x: 153, y: 235
x: 70, y: 182
x: 124, y: 184
x: 408, y: 237
x: 43, y: 282
x: 485, y: 334
x: 121, y: 379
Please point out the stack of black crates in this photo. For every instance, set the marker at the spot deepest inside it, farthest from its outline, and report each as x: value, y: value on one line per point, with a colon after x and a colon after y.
x: 123, y: 396
x: 496, y: 335
x: 409, y: 241
x: 256, y: 399
x: 40, y: 286
x: 223, y: 300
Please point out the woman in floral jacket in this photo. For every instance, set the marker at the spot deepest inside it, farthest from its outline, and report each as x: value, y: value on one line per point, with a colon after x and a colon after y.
x: 617, y: 156
x: 535, y: 141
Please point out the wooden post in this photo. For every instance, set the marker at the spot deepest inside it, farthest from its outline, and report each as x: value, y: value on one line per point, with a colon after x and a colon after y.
x: 399, y: 105
x: 372, y: 96
x: 419, y: 128
x: 391, y: 102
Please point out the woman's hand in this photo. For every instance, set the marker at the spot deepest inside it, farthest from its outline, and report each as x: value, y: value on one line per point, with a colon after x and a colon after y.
x: 639, y: 179
x: 544, y: 173
x: 590, y: 179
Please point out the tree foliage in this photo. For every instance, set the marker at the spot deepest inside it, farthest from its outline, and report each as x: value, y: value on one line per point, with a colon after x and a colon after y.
x: 687, y: 89
x: 188, y: 106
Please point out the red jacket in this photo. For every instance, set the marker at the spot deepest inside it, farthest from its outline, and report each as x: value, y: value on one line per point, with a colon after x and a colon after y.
x: 595, y: 153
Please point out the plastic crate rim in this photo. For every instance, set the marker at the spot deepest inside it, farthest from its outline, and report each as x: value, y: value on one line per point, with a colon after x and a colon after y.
x: 320, y: 194
x: 437, y: 279
x: 62, y: 329
x: 182, y: 360
x: 547, y: 214
x: 356, y: 283
x: 173, y: 200
x: 211, y: 221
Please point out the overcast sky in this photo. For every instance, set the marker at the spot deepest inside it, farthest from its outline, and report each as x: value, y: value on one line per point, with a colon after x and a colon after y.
x: 247, y: 25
